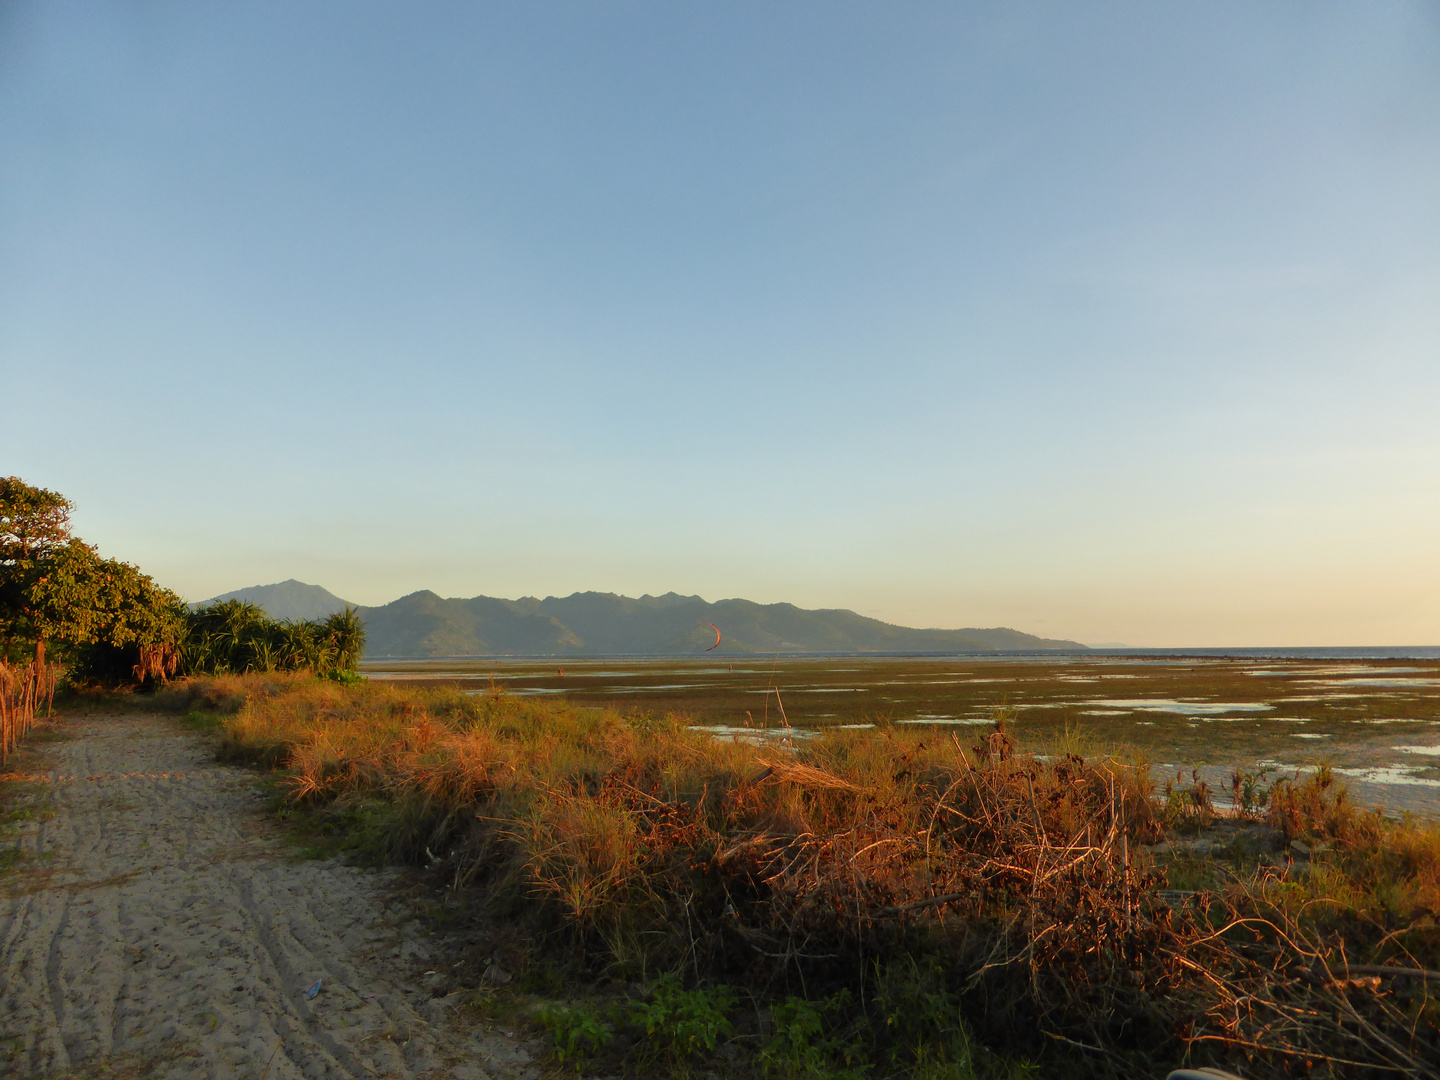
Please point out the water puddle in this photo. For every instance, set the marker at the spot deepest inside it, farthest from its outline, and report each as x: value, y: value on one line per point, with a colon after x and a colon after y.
x: 656, y: 688
x: 522, y: 691
x: 1186, y: 708
x: 928, y: 678
x: 1354, y: 669
x: 1375, y: 774
x: 1252, y: 716
x: 964, y: 721
x: 1396, y: 683
x: 956, y: 680
x: 1389, y: 774
x: 427, y: 676
x: 754, y: 736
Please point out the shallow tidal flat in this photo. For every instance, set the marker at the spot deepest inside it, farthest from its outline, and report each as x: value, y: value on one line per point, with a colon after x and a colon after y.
x: 1377, y: 722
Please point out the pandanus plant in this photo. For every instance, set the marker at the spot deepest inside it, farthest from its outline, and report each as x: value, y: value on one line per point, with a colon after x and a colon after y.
x: 234, y: 637
x: 345, y: 634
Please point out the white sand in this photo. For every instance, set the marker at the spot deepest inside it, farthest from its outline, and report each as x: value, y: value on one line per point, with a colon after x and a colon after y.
x: 157, y: 929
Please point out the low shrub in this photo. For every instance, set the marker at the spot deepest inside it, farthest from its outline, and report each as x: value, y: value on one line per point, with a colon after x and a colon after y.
x: 809, y: 1041
x: 577, y: 1032
x: 680, y: 1023
x: 938, y: 898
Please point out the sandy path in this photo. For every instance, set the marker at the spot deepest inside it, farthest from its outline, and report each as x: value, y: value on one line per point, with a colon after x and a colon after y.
x: 157, y: 930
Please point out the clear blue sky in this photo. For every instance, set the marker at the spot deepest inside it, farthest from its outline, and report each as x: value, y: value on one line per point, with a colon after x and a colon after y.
x: 1110, y: 321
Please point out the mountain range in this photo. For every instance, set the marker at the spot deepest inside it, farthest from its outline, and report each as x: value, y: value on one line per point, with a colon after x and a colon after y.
x: 425, y: 624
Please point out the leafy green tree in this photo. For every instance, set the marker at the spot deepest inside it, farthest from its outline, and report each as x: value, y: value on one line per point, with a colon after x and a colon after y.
x: 100, y: 613
x: 86, y: 600
x: 33, y: 521
x: 109, y: 614
x: 34, y: 526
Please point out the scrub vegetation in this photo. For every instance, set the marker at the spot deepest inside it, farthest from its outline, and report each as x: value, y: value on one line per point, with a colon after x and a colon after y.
x: 1215, y: 711
x: 233, y: 638
x: 897, y: 901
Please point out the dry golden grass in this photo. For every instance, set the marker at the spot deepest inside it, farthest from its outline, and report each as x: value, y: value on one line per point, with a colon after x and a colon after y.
x: 24, y: 688
x: 1030, y: 884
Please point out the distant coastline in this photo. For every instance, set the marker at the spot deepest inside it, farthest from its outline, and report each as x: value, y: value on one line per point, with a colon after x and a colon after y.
x: 1335, y: 652
x: 1284, y: 652
x: 426, y: 626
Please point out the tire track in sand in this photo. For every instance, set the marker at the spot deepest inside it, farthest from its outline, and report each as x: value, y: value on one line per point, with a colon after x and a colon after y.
x: 155, y: 928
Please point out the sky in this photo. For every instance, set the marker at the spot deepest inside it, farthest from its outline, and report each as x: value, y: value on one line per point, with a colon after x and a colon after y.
x: 1117, y: 322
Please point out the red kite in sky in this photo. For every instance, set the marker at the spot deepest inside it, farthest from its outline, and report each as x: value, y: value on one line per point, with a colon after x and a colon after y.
x: 712, y: 626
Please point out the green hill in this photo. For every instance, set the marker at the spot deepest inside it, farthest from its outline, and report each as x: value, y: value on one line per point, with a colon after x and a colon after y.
x: 604, y: 624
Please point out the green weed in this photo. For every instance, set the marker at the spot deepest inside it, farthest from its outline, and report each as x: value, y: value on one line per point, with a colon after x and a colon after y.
x: 547, y: 979
x: 577, y: 1032
x: 801, y: 1046
x: 921, y: 1013
x: 680, y: 1023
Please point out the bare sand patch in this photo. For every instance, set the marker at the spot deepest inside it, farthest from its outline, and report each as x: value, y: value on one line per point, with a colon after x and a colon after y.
x: 153, y: 927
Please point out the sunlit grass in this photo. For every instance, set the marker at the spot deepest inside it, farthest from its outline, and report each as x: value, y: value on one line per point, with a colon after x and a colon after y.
x: 636, y: 845
x: 1308, y: 720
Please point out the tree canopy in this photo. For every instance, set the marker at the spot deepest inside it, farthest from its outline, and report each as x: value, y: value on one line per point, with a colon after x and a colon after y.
x: 33, y: 522
x: 56, y: 590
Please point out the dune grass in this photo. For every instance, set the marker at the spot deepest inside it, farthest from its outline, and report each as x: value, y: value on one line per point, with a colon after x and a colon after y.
x: 889, y: 902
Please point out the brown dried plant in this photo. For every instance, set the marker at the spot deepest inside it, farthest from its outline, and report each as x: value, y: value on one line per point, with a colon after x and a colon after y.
x: 1033, y: 884
x: 22, y: 690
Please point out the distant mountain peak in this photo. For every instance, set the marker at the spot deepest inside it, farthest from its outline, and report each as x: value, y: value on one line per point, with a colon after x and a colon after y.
x: 288, y: 599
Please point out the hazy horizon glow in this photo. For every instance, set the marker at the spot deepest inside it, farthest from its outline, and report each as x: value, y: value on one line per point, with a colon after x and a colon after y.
x: 1114, y: 323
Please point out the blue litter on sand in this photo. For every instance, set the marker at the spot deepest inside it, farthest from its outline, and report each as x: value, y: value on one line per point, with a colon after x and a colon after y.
x: 313, y: 990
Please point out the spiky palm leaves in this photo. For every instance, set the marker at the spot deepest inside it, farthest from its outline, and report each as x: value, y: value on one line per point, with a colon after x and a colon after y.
x: 345, y: 638
x: 235, y: 637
